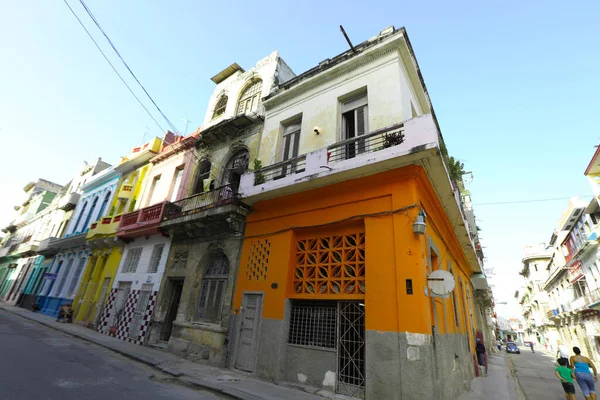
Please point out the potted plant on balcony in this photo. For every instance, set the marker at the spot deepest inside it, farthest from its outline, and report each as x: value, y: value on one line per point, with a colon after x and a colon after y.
x: 393, y: 139
x: 259, y: 177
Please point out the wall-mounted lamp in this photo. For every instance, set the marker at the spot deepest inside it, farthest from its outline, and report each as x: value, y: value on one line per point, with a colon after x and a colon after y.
x: 419, y: 225
x: 317, y: 130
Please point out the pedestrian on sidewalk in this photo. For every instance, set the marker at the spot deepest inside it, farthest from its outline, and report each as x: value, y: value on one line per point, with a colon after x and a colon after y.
x: 566, y: 375
x: 480, y: 349
x: 563, y: 352
x: 581, y: 366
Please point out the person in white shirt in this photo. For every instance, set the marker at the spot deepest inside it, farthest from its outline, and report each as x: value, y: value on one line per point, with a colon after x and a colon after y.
x: 563, y: 351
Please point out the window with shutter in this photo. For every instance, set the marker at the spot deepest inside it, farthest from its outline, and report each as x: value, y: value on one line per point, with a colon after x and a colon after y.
x: 75, y: 277
x: 220, y: 107
x: 155, y: 259
x: 214, y: 283
x: 354, y: 124
x: 62, y: 280
x: 290, y: 146
x: 176, y: 184
x: 250, y: 97
x: 132, y: 259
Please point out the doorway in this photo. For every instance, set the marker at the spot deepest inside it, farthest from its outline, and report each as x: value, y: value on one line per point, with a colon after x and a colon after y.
x: 176, y: 287
x: 251, y: 312
x: 99, y: 304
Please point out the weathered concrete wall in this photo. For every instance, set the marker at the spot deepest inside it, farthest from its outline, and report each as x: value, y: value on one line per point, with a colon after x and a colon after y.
x: 311, y: 366
x: 191, y: 337
x: 199, y: 342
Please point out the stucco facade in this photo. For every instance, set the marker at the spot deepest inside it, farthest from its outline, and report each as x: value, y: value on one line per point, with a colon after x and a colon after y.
x: 133, y: 296
x: 332, y: 288
x: 67, y: 255
x: 193, y: 311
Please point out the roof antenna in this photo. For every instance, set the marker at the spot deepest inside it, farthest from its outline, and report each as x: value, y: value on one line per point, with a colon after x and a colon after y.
x: 347, y: 39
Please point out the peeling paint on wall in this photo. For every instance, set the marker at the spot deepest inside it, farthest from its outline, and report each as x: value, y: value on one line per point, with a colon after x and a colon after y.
x: 301, y: 377
x: 329, y: 379
x: 413, y: 354
x: 417, y: 339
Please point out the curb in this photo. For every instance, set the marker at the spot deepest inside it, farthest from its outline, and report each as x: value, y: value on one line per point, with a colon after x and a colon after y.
x: 513, y: 374
x: 233, y: 393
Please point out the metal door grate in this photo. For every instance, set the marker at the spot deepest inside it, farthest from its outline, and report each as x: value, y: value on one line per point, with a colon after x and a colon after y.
x: 351, y: 349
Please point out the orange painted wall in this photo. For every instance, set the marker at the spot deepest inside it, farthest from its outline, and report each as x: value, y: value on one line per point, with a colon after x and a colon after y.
x: 393, y: 252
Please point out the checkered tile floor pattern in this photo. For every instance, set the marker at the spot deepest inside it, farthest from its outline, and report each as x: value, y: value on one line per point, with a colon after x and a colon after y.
x: 128, y: 319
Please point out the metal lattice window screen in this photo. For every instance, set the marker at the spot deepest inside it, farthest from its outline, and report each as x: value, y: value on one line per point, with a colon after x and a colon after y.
x: 313, y: 325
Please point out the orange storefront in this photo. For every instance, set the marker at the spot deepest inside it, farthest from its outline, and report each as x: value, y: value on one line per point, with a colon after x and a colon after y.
x: 332, y: 289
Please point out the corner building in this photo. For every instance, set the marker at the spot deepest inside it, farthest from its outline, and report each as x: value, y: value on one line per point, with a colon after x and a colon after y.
x: 332, y: 286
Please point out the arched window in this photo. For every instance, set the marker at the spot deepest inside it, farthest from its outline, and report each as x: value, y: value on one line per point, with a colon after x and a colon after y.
x: 214, y: 285
x: 86, y: 224
x: 250, y: 97
x: 235, y: 167
x: 220, y: 107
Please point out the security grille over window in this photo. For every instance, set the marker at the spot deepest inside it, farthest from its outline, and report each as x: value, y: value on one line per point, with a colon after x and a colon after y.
x: 331, y: 265
x: 351, y: 349
x: 250, y: 98
x: 313, y: 324
x: 258, y: 260
x: 336, y: 325
x: 214, y: 284
x: 220, y: 107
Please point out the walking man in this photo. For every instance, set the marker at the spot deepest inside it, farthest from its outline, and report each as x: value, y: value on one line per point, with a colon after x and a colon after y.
x: 562, y: 352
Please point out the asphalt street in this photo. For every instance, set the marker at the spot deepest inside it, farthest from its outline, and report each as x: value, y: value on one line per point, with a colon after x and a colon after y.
x: 535, y: 372
x: 40, y: 363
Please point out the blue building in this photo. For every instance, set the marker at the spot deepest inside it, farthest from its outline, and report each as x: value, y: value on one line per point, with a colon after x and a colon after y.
x: 67, y: 256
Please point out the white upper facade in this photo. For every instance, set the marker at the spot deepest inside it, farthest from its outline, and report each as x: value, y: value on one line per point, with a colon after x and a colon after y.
x: 240, y: 92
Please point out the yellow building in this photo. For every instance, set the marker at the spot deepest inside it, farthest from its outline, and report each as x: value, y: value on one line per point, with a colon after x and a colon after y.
x: 106, y: 248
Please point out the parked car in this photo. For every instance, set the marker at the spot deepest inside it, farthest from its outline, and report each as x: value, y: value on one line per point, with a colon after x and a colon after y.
x: 511, y: 347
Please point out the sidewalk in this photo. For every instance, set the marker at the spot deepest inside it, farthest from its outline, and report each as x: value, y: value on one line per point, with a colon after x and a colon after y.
x: 224, y: 381
x: 500, y: 384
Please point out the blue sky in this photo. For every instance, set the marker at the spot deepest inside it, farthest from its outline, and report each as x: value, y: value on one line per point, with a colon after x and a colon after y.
x: 514, y: 84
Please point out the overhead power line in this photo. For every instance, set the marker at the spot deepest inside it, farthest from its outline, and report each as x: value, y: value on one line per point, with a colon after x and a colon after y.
x: 113, y: 67
x: 527, y: 201
x: 89, y: 12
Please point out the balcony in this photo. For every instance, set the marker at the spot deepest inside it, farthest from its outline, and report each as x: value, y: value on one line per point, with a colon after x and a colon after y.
x: 4, y: 251
x: 139, y: 156
x: 412, y: 142
x: 104, y: 227
x: 227, y: 130
x: 384, y: 149
x: 28, y: 248
x: 142, y: 222
x: 45, y: 247
x: 125, y: 192
x: 579, y: 304
x: 69, y: 201
x: 204, y: 213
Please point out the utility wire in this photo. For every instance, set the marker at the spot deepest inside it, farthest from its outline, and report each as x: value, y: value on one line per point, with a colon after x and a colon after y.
x: 113, y: 67
x: 527, y: 201
x: 126, y: 65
